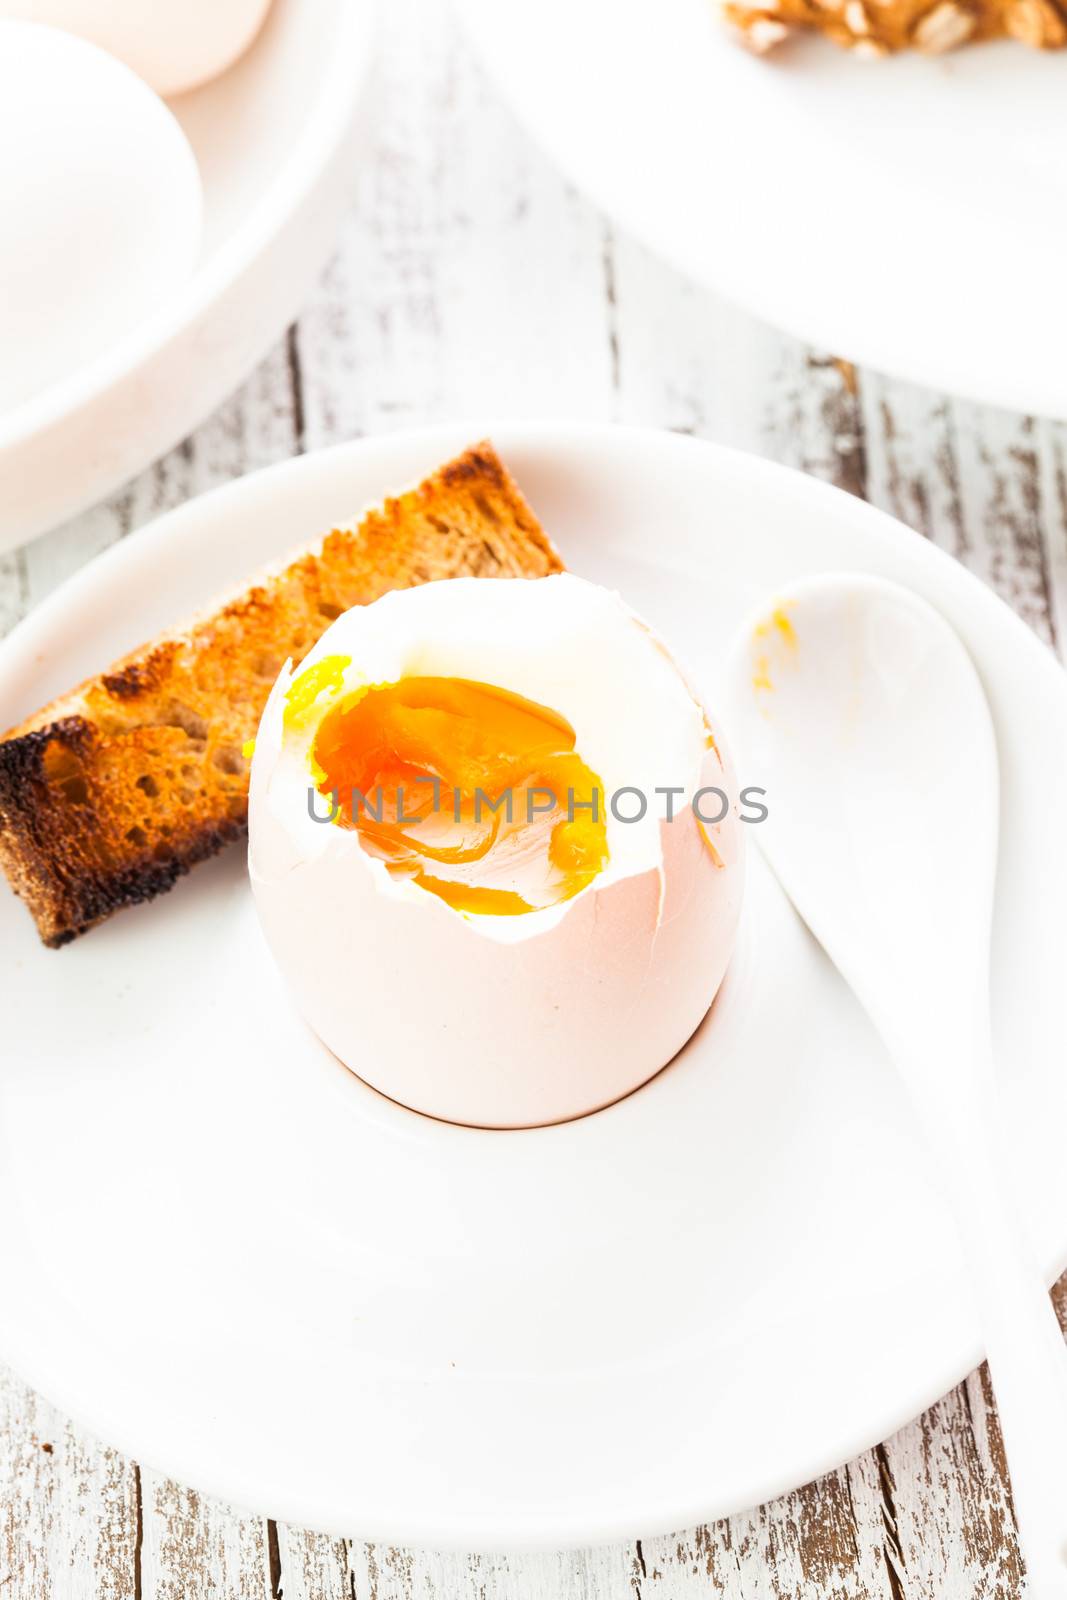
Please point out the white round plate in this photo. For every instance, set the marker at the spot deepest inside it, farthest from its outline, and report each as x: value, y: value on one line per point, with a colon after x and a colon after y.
x: 273, y: 138
x: 910, y: 214
x: 226, y: 1255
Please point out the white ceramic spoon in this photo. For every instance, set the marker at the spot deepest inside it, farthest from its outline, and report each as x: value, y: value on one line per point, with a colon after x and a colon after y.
x: 856, y: 707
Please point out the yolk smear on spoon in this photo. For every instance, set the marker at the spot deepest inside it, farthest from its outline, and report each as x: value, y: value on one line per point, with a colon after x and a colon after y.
x: 473, y: 792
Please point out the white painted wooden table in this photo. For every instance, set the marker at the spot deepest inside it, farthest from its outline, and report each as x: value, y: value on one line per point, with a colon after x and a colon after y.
x: 472, y: 281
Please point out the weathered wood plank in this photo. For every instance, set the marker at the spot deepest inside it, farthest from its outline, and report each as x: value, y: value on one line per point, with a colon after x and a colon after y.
x: 68, y: 1508
x: 611, y: 1573
x: 688, y: 361
x: 982, y: 484
x: 949, y: 1527
x: 257, y: 426
x: 465, y: 258
x: 1053, y: 493
x: 311, y: 1566
x: 196, y: 1546
x: 803, y: 1545
x: 14, y: 589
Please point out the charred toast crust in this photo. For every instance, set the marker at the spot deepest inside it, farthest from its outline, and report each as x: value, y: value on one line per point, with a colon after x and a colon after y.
x: 112, y: 793
x: 50, y: 842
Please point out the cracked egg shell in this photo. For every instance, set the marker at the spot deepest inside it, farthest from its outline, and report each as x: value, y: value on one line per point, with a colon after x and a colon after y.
x: 481, y: 1018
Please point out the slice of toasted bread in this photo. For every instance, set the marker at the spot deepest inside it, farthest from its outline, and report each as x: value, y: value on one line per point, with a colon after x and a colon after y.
x: 112, y: 792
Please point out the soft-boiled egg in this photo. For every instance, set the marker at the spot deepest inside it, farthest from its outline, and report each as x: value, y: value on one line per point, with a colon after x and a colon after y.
x: 172, y: 44
x: 100, y: 217
x: 495, y: 848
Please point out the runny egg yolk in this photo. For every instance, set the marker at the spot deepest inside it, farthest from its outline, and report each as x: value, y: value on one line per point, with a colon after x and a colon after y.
x: 473, y: 792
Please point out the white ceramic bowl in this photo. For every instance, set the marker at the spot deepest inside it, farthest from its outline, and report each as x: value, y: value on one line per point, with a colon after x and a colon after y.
x: 274, y: 138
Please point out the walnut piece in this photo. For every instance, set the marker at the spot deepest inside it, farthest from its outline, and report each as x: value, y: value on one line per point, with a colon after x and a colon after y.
x: 874, y: 28
x: 943, y: 28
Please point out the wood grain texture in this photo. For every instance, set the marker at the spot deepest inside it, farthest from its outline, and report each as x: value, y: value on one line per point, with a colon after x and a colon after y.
x: 470, y: 281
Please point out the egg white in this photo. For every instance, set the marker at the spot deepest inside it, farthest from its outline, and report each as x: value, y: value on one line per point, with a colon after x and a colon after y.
x: 564, y: 643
